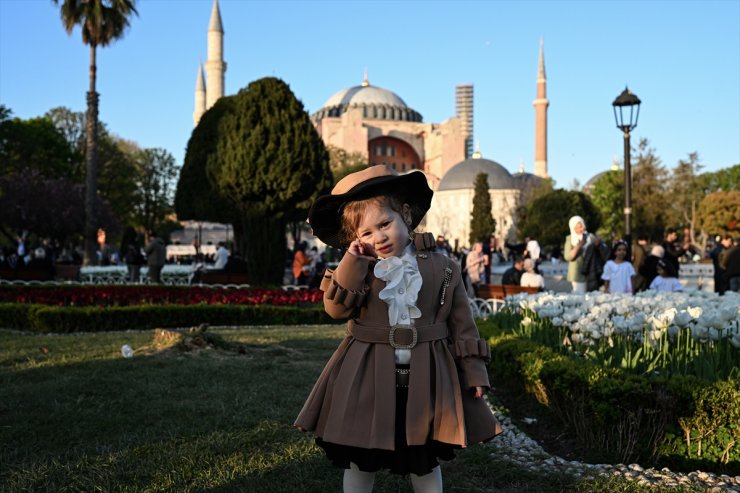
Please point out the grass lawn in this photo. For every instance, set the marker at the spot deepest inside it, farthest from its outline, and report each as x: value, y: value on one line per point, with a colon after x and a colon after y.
x: 76, y: 416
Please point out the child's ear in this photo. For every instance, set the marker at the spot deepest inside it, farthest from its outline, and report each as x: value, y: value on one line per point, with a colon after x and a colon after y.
x: 406, y: 214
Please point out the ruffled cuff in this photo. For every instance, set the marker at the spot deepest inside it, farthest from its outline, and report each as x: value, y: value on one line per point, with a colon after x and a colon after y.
x: 339, y: 295
x: 472, y: 348
x: 424, y: 241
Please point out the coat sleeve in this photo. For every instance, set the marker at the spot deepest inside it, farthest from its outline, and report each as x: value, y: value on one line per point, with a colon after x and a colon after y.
x: 471, y: 352
x: 345, y: 288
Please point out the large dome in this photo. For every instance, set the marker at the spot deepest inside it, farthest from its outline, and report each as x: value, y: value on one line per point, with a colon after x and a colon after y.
x: 365, y: 95
x: 376, y: 103
x: 462, y: 175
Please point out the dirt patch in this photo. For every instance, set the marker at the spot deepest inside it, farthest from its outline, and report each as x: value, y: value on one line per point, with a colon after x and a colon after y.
x: 538, y: 422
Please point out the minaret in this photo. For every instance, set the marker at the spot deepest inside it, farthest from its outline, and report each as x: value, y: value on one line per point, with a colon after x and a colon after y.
x: 540, y: 118
x: 200, y: 96
x: 215, y: 65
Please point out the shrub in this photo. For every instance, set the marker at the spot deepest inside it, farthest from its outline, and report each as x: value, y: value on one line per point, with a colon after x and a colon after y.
x: 679, y: 421
x: 40, y: 318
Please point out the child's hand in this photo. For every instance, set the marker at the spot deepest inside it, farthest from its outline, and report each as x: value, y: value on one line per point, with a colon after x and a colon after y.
x: 362, y: 250
x: 478, y: 392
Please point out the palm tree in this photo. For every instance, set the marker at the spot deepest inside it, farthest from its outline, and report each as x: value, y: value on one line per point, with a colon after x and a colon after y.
x: 102, y: 22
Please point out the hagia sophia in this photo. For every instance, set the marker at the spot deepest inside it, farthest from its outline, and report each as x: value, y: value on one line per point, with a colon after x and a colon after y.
x: 378, y: 124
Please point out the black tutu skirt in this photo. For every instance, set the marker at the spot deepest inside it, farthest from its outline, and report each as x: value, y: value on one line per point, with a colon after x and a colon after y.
x: 416, y: 459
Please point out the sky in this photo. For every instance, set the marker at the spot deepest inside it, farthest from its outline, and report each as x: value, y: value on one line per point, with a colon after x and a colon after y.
x: 681, y: 58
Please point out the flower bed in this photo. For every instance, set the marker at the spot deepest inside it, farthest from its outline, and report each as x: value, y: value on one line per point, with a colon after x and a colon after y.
x: 106, y: 296
x: 695, y: 333
x: 616, y: 416
x: 103, y: 308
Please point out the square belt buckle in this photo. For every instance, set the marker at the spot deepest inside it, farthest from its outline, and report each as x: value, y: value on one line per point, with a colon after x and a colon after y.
x: 392, y: 337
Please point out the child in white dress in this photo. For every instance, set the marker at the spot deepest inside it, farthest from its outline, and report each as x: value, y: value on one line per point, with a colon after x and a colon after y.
x: 618, y: 271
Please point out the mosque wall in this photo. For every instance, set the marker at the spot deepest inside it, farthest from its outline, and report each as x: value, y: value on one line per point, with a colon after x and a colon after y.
x: 451, y: 210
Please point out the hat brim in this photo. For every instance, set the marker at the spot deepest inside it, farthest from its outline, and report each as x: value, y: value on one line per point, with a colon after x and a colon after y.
x: 325, y: 216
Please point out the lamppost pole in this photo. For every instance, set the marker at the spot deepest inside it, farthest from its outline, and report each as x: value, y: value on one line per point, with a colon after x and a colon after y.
x: 626, y: 121
x: 627, y: 190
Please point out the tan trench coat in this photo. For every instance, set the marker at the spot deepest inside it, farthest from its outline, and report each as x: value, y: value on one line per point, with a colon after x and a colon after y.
x: 353, y: 401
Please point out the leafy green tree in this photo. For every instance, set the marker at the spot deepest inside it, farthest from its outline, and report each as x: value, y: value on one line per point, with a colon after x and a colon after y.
x: 33, y: 144
x: 723, y: 180
x: 686, y: 191
x: 101, y: 22
x: 607, y: 194
x: 71, y: 124
x: 719, y: 213
x: 156, y: 176
x: 117, y: 175
x: 271, y: 164
x: 118, y: 165
x: 650, y: 197
x: 482, y: 223
x: 343, y: 163
x: 47, y: 207
x: 546, y: 218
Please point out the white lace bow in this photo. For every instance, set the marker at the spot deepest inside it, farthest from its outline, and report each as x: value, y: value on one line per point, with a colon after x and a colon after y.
x: 403, y: 283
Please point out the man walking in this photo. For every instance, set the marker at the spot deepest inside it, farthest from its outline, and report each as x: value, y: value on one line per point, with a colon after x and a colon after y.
x: 156, y: 254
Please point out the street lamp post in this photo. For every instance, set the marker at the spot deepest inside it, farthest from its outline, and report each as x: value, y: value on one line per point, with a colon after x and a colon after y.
x: 626, y: 111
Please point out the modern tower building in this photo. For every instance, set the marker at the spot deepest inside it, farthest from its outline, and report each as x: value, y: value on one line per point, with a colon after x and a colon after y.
x: 464, y: 111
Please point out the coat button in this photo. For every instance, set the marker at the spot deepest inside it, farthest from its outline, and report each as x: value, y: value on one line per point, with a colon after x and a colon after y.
x: 404, y: 316
x: 400, y: 290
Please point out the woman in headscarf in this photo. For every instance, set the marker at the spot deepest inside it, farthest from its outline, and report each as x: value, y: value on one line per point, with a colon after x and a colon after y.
x: 573, y: 250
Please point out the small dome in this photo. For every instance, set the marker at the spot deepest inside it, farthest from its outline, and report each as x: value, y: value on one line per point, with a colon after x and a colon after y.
x: 376, y: 103
x: 462, y: 175
x: 589, y: 186
x: 527, y: 181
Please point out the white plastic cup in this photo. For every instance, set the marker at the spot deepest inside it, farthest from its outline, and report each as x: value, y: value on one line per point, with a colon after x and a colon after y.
x: 126, y: 351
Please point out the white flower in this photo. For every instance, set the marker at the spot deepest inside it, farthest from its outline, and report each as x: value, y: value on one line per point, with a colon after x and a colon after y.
x: 735, y: 340
x: 695, y: 311
x: 682, y: 318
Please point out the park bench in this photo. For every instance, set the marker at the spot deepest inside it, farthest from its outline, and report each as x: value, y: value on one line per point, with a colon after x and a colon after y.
x: 26, y: 274
x: 221, y: 277
x: 68, y: 272
x: 501, y: 291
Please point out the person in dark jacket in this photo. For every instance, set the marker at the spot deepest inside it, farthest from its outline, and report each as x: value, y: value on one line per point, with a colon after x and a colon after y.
x: 156, y: 254
x: 594, y: 258
x: 650, y: 268
x: 514, y: 274
x: 718, y: 252
x: 731, y: 264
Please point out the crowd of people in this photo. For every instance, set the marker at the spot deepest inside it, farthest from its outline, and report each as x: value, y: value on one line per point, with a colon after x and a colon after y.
x: 593, y: 264
x: 624, y: 268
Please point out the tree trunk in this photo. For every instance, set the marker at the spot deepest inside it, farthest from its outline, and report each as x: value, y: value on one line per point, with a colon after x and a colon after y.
x: 265, y: 242
x: 91, y: 167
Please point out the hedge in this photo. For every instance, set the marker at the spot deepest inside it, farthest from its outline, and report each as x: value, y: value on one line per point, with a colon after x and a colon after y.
x: 43, y: 318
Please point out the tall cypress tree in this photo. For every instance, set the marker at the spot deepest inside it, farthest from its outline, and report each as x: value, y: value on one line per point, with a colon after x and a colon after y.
x: 270, y: 162
x: 482, y: 223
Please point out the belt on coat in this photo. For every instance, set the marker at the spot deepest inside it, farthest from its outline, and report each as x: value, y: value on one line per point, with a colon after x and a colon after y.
x: 398, y: 336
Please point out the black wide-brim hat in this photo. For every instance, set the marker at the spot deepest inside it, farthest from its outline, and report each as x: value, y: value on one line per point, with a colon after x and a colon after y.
x: 325, y: 216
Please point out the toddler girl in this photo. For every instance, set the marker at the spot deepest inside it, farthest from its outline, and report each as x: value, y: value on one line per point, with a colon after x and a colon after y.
x: 405, y: 386
x: 618, y: 272
x: 666, y: 279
